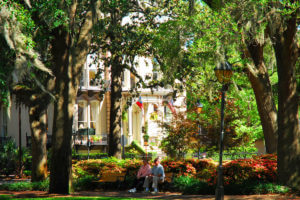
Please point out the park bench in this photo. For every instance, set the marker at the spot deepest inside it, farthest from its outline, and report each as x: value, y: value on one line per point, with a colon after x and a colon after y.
x: 167, y: 183
x: 117, y: 179
x: 109, y: 178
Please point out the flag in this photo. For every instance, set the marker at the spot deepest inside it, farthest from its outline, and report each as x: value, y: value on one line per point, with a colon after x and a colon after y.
x: 171, y: 106
x: 140, y: 103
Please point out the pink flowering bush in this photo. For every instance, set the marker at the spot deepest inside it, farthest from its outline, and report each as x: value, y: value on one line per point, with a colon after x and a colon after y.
x: 259, y: 168
x: 205, y: 168
x: 180, y: 168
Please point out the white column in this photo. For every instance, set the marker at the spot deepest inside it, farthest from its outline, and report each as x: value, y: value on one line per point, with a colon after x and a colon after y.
x: 88, y: 115
x: 130, y: 125
x: 127, y: 78
x: 141, y: 127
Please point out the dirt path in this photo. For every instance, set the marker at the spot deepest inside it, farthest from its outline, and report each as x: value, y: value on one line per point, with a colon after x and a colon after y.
x: 167, y: 195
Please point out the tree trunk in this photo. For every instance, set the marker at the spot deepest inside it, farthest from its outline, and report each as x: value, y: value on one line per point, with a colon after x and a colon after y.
x: 286, y: 52
x: 115, y: 114
x: 60, y: 167
x: 69, y: 56
x: 261, y: 86
x: 39, y: 169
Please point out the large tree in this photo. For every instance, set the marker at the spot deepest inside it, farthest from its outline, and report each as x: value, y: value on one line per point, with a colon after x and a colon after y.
x: 245, y: 31
x: 126, y: 31
x: 246, y: 15
x: 22, y: 66
x: 283, y: 25
x: 70, y: 46
x: 63, y: 37
x: 277, y: 21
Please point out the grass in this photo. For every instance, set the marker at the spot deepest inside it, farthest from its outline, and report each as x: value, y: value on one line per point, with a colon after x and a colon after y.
x: 10, y: 197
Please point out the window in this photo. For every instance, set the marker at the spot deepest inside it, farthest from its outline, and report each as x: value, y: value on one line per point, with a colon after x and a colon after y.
x: 82, y: 115
x: 90, y: 74
x: 88, y: 115
x: 93, y: 80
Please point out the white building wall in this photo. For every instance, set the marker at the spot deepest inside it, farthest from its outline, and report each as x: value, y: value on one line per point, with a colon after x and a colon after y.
x: 13, y: 123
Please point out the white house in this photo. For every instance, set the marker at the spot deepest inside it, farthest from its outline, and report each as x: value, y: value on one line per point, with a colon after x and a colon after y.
x: 92, y: 109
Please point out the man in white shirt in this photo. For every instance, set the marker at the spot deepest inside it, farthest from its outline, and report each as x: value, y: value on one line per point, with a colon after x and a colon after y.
x: 157, y: 174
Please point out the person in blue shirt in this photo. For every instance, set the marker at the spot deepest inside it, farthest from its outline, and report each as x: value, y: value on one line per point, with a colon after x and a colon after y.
x: 157, y: 175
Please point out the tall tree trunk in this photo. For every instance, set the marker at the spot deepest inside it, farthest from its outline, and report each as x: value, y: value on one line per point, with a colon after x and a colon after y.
x: 69, y: 56
x: 60, y: 167
x: 287, y: 53
x: 260, y: 82
x: 115, y: 114
x: 39, y: 169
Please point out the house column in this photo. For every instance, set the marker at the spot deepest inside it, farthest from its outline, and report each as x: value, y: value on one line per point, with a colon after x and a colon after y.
x: 130, y: 124
x: 141, y: 127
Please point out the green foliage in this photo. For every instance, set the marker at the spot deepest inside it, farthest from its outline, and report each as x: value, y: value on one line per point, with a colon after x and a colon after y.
x: 183, y: 133
x: 53, y: 11
x: 135, y: 147
x: 8, y: 157
x: 190, y: 185
x: 6, y: 67
x: 176, y: 143
x: 85, y: 183
x: 267, y: 188
x: 26, y: 186
x: 254, y: 187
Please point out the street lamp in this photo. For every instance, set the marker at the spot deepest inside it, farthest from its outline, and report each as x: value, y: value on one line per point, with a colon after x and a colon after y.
x: 199, y: 109
x: 223, y: 72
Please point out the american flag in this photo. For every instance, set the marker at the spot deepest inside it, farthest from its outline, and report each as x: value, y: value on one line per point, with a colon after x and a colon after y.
x: 140, y: 103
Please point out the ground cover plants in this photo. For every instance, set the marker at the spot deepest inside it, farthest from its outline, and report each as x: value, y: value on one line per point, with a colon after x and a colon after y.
x: 257, y: 175
x: 26, y: 186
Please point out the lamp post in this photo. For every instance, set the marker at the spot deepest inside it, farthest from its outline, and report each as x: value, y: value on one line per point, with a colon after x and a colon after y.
x: 199, y: 109
x: 223, y: 72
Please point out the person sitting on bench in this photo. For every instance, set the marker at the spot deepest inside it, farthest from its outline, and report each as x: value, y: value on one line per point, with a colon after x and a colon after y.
x: 144, y: 171
x: 157, y: 175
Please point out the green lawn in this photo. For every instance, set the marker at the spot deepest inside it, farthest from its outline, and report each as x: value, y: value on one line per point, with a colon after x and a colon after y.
x: 9, y: 197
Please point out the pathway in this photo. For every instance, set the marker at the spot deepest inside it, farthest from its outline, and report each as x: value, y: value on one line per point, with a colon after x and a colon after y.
x: 167, y: 195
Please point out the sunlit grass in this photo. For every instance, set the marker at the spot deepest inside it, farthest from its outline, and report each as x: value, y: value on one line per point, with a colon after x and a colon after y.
x: 10, y: 197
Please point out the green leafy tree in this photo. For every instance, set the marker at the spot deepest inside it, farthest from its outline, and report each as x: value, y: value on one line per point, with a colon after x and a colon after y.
x: 188, y: 48
x: 62, y: 36
x: 125, y: 34
x: 242, y: 30
x: 22, y: 62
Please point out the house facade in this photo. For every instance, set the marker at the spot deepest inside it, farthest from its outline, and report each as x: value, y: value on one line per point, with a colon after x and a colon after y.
x: 141, y: 113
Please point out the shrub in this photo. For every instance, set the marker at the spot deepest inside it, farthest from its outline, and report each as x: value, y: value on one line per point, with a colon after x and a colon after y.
x: 180, y: 167
x: 266, y: 188
x: 85, y: 183
x: 205, y: 168
x: 8, y: 157
x: 255, y: 187
x: 26, y: 186
x: 190, y: 185
x: 240, y: 176
x: 248, y: 170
